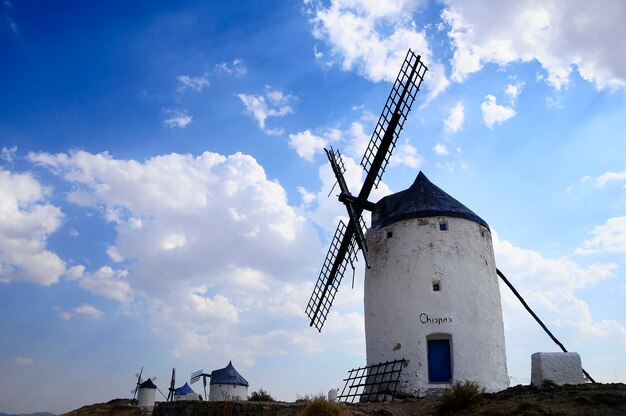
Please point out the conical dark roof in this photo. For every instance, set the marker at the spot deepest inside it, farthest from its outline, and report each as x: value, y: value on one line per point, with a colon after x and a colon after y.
x: 183, y: 390
x: 228, y: 375
x: 422, y: 199
x: 148, y: 384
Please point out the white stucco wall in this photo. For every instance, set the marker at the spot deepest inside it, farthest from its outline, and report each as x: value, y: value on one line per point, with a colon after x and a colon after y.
x: 146, y: 397
x: 227, y: 392
x: 402, y: 310
x: 186, y: 397
x: 557, y: 367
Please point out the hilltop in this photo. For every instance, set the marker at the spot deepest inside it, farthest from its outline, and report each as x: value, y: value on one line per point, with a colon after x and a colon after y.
x: 579, y: 400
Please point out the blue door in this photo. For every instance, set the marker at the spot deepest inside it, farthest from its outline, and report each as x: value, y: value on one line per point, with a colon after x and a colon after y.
x: 439, y: 363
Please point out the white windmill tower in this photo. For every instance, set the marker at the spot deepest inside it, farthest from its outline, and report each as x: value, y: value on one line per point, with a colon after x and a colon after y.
x: 431, y: 294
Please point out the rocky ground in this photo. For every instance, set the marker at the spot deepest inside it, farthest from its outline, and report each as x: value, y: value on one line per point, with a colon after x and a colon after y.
x: 587, y: 399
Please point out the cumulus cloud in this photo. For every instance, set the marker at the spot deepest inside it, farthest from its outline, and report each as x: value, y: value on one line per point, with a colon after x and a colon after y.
x: 274, y: 103
x: 306, y: 144
x: 550, y: 286
x: 236, y: 68
x: 108, y: 283
x: 207, y: 244
x: 494, y: 113
x: 8, y: 153
x: 610, y: 237
x: 26, y: 222
x: 186, y: 82
x: 455, y: 119
x: 307, y: 197
x: 372, y: 38
x: 406, y: 154
x: 440, y: 149
x: 177, y: 118
x: 563, y: 36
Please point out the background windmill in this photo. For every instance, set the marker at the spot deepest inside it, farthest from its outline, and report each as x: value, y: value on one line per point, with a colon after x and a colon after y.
x: 170, y: 394
x: 196, y: 375
x: 139, y: 381
x: 349, y: 239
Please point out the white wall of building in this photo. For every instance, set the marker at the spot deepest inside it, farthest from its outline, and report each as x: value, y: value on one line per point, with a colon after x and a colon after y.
x: 228, y: 392
x: 402, y: 310
x: 146, y: 397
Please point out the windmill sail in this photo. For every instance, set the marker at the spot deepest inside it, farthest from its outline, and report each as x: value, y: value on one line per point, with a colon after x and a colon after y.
x: 349, y: 239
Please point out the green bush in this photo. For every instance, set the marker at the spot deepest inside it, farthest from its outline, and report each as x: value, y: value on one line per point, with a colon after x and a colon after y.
x: 460, y: 396
x: 319, y: 406
x: 261, y: 396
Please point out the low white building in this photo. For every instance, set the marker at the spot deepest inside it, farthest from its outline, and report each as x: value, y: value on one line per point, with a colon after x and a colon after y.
x: 185, y: 392
x: 227, y: 384
x: 432, y: 295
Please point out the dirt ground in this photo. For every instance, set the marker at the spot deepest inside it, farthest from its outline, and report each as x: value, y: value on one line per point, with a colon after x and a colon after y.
x: 586, y: 399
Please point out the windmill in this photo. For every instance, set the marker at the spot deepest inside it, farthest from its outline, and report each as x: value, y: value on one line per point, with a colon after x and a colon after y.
x: 349, y: 239
x: 138, y: 376
x: 172, y: 389
x: 431, y: 282
x: 196, y: 375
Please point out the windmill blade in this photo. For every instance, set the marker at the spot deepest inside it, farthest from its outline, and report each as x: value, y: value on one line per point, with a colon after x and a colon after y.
x: 195, y: 376
x: 391, y: 120
x: 341, y: 252
x: 352, y: 204
x: 138, y: 381
x: 170, y: 394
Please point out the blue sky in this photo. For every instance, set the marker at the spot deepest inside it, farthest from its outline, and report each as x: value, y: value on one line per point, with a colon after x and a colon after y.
x: 163, y: 189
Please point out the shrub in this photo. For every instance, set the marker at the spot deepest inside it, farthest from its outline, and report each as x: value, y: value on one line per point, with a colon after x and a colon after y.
x: 460, y: 396
x: 261, y: 396
x: 319, y: 406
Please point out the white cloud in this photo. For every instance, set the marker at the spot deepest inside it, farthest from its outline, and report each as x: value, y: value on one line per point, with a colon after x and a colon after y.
x: 84, y: 309
x: 494, y: 113
x: 177, y: 118
x: 372, y: 37
x: 306, y: 144
x: 114, y: 254
x: 236, y: 68
x: 454, y: 122
x: 218, y: 307
x: 610, y: 176
x: 108, y: 283
x: 23, y: 361
x: 273, y: 104
x: 550, y: 287
x: 217, y: 239
x: 8, y: 154
x: 610, y: 237
x: 406, y: 154
x: 512, y: 91
x: 307, y: 197
x: 26, y: 222
x: 194, y: 83
x: 440, y: 149
x: 563, y: 36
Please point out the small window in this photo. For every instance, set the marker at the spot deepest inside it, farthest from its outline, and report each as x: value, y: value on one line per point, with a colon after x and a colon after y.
x: 443, y: 226
x: 389, y: 234
x: 436, y: 286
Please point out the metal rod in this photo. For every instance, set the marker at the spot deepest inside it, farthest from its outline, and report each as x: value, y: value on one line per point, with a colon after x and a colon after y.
x: 534, y: 315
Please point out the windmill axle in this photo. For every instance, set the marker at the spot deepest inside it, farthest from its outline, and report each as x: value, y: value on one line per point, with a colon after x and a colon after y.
x: 348, y: 198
